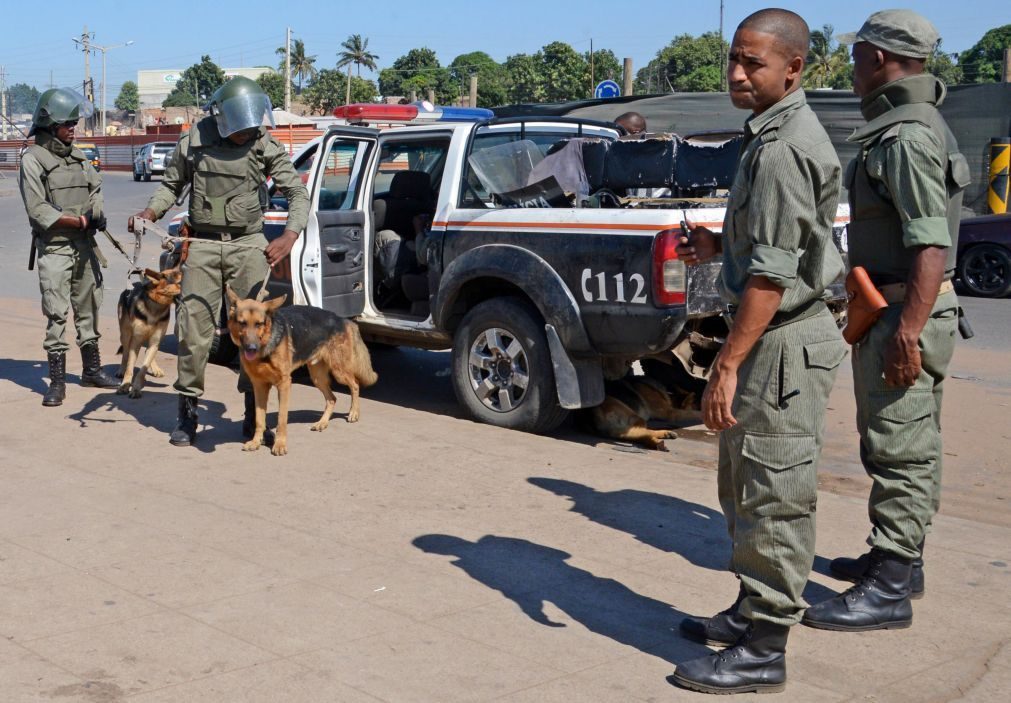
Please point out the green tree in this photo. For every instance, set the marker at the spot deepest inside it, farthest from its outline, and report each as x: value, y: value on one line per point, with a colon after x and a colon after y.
x: 827, y: 63
x: 355, y: 52
x: 944, y: 66
x: 273, y: 85
x: 419, y: 70
x: 524, y: 82
x: 983, y: 61
x: 329, y: 89
x: 302, y: 65
x: 205, y: 77
x: 687, y: 64
x: 128, y: 98
x: 491, y: 77
x: 565, y: 73
x: 22, y: 97
x: 605, y: 66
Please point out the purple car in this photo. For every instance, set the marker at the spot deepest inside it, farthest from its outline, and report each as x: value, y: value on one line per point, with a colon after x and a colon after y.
x: 984, y: 255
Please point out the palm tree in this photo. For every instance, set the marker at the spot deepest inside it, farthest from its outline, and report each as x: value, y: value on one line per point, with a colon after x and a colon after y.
x: 823, y: 59
x: 301, y: 65
x: 355, y: 52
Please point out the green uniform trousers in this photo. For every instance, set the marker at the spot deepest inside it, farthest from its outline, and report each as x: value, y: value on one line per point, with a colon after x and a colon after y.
x: 768, y: 483
x: 209, y: 267
x: 900, y: 429
x: 69, y: 277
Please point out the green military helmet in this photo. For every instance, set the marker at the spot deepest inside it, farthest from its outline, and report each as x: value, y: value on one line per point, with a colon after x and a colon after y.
x: 240, y: 104
x: 58, y: 105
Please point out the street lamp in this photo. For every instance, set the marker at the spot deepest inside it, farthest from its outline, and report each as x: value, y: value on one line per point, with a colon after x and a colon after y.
x: 88, y: 45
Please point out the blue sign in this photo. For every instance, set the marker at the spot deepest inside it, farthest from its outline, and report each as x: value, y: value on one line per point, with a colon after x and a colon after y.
x: 607, y: 89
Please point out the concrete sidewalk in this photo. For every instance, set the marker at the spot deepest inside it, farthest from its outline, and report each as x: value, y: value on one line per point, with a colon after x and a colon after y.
x: 413, y: 556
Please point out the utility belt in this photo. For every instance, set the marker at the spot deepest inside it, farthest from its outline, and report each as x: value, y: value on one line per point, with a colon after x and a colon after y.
x: 896, y: 292
x: 63, y: 238
x: 784, y: 317
x: 219, y: 236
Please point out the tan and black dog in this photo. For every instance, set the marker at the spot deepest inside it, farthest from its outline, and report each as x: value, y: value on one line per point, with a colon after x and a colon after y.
x: 633, y: 401
x: 143, y: 318
x: 274, y: 341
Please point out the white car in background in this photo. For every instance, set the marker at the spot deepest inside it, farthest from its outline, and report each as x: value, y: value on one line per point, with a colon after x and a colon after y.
x: 150, y: 160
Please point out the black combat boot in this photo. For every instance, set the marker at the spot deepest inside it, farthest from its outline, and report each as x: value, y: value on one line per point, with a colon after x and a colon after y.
x: 850, y: 569
x: 249, y: 421
x: 724, y: 628
x: 93, y: 375
x: 755, y: 664
x: 186, y: 429
x: 57, y: 390
x: 878, y: 601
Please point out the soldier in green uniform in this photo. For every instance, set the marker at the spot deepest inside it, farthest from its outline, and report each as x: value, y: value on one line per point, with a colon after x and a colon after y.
x: 905, y: 189
x: 225, y: 158
x: 770, y: 382
x: 62, y: 193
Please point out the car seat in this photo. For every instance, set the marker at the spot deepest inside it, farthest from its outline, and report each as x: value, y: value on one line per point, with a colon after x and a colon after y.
x: 410, y: 194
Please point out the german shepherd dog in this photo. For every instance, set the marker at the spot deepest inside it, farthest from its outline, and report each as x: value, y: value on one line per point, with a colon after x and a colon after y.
x: 274, y: 341
x: 633, y: 401
x: 143, y: 318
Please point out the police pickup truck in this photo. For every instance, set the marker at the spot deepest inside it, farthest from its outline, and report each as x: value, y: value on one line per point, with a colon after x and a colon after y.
x: 540, y: 291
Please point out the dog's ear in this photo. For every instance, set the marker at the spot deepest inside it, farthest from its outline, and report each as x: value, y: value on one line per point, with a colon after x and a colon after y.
x: 153, y: 276
x: 275, y: 303
x: 232, y: 297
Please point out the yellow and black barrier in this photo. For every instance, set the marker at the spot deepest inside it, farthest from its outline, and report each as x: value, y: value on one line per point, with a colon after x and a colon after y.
x: 1000, y: 182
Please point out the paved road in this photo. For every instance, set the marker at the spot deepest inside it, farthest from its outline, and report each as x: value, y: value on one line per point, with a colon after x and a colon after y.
x: 417, y: 556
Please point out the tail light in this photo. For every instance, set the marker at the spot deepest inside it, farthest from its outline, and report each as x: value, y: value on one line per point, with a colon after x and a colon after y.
x: 669, y: 275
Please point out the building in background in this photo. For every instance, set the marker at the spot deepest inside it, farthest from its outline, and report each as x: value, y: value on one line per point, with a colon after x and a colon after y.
x: 154, y: 86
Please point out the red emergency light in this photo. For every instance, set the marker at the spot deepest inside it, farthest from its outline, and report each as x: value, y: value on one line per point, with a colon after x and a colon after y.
x: 369, y: 112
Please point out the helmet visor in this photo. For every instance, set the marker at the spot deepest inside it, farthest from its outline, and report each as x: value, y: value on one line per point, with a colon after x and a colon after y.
x: 85, y: 108
x: 243, y: 112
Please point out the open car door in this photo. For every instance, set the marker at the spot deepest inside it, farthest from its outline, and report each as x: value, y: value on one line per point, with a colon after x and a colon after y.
x: 333, y: 262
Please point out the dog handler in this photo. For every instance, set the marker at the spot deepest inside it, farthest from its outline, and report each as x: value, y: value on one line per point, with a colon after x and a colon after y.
x: 771, y: 380
x: 62, y: 193
x: 905, y: 190
x: 225, y: 158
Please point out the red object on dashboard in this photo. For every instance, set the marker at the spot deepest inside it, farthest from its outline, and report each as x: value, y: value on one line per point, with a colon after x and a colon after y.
x: 366, y: 112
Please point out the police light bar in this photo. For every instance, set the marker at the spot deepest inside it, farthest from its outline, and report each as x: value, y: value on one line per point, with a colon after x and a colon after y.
x: 363, y: 113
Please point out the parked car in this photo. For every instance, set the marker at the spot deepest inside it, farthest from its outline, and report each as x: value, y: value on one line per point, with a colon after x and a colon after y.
x: 91, y: 151
x: 984, y: 255
x: 150, y: 160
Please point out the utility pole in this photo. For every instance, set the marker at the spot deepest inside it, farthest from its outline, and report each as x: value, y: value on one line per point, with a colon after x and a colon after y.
x: 1007, y: 66
x: 592, y: 82
x: 473, y: 90
x: 626, y: 78
x: 3, y: 101
x: 87, y: 46
x: 287, y: 71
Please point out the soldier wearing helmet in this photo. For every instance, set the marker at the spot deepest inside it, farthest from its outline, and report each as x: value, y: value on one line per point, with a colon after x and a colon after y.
x: 226, y: 158
x: 63, y: 198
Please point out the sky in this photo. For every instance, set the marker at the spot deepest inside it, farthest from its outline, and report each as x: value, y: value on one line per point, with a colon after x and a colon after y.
x: 173, y: 35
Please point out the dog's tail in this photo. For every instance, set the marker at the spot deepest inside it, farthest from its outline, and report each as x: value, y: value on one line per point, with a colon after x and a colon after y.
x: 362, y: 361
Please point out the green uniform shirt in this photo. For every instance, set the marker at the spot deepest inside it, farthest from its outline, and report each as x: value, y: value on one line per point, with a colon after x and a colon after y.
x: 275, y: 163
x: 782, y: 206
x: 42, y: 212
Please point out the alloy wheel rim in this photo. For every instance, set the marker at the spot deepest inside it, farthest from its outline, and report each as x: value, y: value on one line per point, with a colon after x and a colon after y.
x: 499, y: 371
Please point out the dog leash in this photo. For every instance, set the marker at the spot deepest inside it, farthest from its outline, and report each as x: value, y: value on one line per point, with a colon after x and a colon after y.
x: 142, y: 227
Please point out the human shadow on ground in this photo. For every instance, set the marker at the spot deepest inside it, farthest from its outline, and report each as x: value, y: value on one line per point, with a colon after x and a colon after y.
x: 158, y: 411
x: 32, y: 375
x: 531, y: 575
x: 695, y: 532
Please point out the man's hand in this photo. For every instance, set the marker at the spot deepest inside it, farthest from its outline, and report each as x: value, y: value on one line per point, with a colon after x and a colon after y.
x: 700, y: 245
x: 145, y: 214
x: 718, y: 399
x: 902, y: 361
x: 280, y: 247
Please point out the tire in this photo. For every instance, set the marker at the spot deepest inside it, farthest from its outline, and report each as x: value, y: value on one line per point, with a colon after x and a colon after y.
x: 985, y: 270
x: 136, y: 176
x: 223, y: 350
x: 147, y: 176
x: 499, y: 342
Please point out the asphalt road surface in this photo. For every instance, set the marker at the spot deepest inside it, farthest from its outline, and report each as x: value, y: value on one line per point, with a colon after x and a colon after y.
x: 977, y: 401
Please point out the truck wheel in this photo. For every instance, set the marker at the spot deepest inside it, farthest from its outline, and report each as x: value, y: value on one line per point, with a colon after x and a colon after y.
x: 985, y: 270
x: 136, y: 176
x: 223, y: 350
x: 502, y: 370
